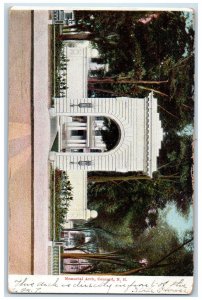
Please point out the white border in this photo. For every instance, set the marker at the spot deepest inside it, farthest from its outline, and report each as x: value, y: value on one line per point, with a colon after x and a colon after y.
x: 90, y: 284
x: 2, y: 114
x: 149, y: 8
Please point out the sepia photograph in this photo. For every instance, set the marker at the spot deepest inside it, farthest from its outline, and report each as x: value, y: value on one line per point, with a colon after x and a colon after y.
x: 101, y: 150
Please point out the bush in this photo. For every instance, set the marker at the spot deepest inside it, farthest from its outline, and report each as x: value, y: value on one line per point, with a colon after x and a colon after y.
x: 63, y: 196
x: 60, y: 60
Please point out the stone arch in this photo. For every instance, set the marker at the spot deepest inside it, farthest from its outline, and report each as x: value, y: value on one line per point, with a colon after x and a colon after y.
x: 140, y: 134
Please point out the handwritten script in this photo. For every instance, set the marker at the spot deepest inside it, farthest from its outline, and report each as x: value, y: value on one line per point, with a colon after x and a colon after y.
x: 100, y: 284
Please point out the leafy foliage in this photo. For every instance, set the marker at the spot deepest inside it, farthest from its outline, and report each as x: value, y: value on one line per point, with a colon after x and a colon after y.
x: 158, y: 49
x: 155, y: 242
x: 60, y: 201
x: 59, y: 61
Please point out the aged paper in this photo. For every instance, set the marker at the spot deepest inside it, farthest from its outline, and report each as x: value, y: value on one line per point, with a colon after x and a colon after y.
x: 101, y: 142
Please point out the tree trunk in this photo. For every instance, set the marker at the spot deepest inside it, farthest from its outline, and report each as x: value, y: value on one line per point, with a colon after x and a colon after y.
x: 126, y: 94
x: 126, y: 178
x: 113, y: 93
x: 152, y: 90
x: 180, y: 62
x: 130, y: 272
x: 101, y: 90
x: 168, y: 112
x: 110, y: 257
x: 76, y: 36
x: 151, y: 266
x: 136, y: 82
x: 107, y: 258
x: 78, y: 27
x: 119, y: 80
x: 90, y: 255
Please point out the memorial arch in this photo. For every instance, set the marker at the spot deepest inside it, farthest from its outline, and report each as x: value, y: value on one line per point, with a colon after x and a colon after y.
x: 140, y: 134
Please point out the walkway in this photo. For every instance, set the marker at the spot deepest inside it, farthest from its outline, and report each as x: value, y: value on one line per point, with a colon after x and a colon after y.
x: 41, y: 142
x: 20, y: 162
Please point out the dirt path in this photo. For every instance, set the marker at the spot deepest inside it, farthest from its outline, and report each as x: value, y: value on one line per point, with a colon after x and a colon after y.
x: 20, y: 242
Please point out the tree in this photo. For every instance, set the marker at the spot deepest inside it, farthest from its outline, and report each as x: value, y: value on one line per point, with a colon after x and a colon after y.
x: 145, y: 43
x: 106, y: 30
x: 118, y: 80
x: 160, y: 49
x: 145, y: 48
x: 61, y: 196
x: 123, y: 262
x: 172, y: 181
x: 143, y: 56
x: 128, y: 202
x: 79, y: 36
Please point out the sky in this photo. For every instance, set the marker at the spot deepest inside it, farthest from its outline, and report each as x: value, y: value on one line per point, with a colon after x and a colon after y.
x: 177, y: 221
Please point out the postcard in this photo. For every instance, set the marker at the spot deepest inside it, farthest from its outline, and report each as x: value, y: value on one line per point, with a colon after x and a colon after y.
x: 101, y: 151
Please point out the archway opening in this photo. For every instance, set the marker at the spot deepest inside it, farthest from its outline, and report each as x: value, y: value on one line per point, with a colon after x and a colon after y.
x: 110, y: 133
x: 88, y: 134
